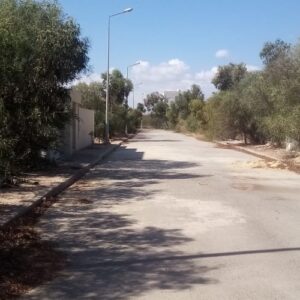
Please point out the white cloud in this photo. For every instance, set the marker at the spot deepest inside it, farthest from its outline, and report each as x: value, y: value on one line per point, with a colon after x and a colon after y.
x: 171, y: 75
x: 252, y: 68
x: 169, y: 70
x: 206, y: 75
x: 222, y: 53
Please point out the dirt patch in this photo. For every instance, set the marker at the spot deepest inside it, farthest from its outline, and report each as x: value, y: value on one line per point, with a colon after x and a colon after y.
x: 258, y: 164
x: 26, y: 261
x: 84, y: 201
x: 270, y: 156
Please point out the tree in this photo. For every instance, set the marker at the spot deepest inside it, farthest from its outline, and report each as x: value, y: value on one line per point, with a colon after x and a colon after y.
x: 274, y: 50
x: 228, y: 76
x: 282, y: 75
x: 93, y: 97
x: 159, y: 114
x: 119, y: 87
x: 134, y: 119
x: 41, y: 52
x: 195, y: 93
x: 152, y: 99
x: 197, y: 117
x: 141, y: 108
x: 157, y: 104
x: 182, y: 101
x: 173, y: 115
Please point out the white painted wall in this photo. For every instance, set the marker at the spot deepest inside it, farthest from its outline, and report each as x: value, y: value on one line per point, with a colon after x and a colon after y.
x: 77, y: 133
x: 86, y: 126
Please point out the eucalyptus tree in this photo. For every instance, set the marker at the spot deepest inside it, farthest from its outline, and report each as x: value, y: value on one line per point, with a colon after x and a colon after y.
x: 41, y: 52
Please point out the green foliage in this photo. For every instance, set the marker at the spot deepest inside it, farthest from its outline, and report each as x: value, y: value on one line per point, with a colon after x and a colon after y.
x: 196, y: 120
x: 159, y: 114
x: 188, y: 106
x: 173, y: 115
x: 117, y: 120
x: 229, y: 76
x: 94, y: 97
x: 41, y: 52
x: 141, y: 108
x: 152, y: 100
x: 272, y: 51
x: 134, y: 120
x: 157, y: 105
x: 119, y: 87
x: 256, y: 106
x: 182, y: 101
x: 263, y: 105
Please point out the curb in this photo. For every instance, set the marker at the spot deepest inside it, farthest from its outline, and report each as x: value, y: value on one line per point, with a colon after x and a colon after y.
x: 241, y: 149
x: 56, y: 190
x: 288, y: 165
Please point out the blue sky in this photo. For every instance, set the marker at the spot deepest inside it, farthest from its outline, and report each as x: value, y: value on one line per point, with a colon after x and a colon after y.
x: 181, y: 42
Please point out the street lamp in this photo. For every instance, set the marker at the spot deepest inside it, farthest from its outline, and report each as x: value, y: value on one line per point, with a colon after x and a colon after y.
x: 127, y: 10
x: 135, y: 85
x: 128, y: 67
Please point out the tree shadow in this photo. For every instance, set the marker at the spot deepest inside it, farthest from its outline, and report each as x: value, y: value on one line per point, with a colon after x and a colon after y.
x: 126, y: 177
x: 17, y: 198
x: 107, y: 250
x: 156, y: 141
x: 107, y: 257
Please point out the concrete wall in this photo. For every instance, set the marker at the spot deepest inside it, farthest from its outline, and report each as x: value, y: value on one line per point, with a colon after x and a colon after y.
x: 76, y: 135
x: 85, y: 127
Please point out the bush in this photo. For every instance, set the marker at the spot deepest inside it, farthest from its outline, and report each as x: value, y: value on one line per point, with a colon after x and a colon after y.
x: 41, y: 52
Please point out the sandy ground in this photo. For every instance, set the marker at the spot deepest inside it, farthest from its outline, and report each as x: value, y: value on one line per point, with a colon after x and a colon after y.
x: 278, y: 157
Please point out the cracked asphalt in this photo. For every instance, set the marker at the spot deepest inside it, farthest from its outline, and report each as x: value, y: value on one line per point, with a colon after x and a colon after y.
x: 170, y: 217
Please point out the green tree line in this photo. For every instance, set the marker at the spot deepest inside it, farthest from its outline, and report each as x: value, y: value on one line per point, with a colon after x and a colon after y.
x: 256, y: 106
x: 122, y: 118
x: 41, y: 53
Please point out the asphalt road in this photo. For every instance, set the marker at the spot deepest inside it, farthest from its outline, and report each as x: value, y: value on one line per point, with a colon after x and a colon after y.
x: 170, y: 217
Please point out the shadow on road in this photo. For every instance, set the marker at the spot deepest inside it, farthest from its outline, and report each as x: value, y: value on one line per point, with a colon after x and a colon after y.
x: 156, y: 141
x: 111, y: 256
x: 107, y: 257
x: 99, y: 243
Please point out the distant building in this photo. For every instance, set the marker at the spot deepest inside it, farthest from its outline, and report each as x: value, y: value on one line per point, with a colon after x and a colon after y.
x: 170, y: 95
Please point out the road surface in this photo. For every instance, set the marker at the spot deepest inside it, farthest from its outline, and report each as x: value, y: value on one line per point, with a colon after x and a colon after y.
x: 171, y: 217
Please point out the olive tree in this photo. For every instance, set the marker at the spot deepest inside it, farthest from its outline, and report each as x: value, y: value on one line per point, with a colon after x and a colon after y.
x: 41, y: 52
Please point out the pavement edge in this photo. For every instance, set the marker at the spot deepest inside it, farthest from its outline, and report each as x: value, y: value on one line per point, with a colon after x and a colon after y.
x: 56, y: 190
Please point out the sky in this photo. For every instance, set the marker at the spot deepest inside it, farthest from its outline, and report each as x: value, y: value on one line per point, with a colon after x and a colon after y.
x: 180, y: 42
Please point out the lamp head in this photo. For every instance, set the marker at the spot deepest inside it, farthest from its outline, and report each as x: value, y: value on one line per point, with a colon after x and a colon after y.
x: 128, y: 10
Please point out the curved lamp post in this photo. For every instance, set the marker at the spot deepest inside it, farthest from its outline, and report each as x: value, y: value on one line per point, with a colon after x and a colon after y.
x: 127, y: 10
x: 135, y: 85
x: 128, y: 67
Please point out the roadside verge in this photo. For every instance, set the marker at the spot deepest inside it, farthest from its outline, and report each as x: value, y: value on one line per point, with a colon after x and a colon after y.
x: 38, y: 204
x: 288, y: 164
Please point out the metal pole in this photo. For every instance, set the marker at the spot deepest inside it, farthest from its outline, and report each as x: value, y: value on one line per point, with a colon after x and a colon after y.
x: 127, y: 72
x: 126, y: 126
x: 127, y: 10
x: 107, y: 86
x: 133, y: 97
